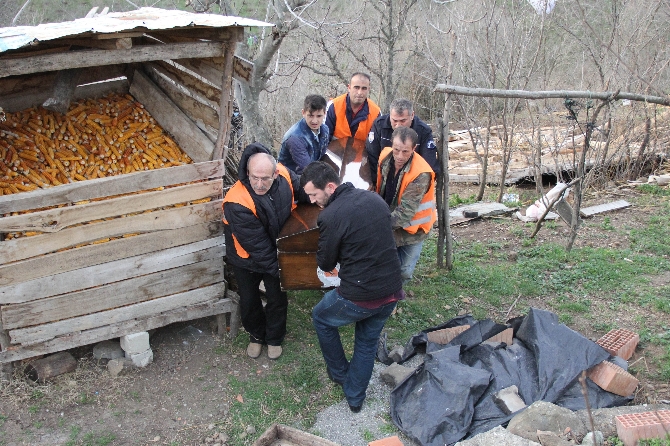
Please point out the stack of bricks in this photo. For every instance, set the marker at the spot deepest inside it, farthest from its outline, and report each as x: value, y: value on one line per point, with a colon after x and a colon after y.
x: 612, y: 378
x: 638, y: 426
x: 620, y: 342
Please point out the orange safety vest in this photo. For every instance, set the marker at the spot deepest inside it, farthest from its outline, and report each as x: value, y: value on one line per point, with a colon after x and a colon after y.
x: 426, y: 214
x: 240, y: 195
x: 342, y: 129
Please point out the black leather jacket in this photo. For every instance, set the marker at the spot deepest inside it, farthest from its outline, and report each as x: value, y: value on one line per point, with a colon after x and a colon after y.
x: 355, y: 230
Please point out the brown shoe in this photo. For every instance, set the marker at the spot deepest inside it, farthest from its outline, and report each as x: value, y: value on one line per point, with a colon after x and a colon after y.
x: 274, y: 351
x: 254, y: 349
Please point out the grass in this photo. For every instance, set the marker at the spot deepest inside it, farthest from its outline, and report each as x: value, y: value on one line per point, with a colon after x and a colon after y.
x: 587, y: 285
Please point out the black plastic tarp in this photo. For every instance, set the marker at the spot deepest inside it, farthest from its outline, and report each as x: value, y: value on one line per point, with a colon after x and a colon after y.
x: 450, y: 396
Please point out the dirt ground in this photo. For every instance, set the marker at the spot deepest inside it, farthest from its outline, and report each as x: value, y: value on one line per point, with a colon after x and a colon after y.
x: 180, y: 398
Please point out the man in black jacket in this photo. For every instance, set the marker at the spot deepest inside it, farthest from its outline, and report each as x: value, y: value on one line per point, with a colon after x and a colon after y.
x: 401, y: 115
x: 254, y: 211
x: 354, y: 230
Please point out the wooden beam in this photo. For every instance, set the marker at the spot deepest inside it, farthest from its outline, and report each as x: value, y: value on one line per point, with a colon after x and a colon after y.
x: 119, y: 35
x: 187, y: 135
x: 108, y: 186
x: 41, y: 333
x: 183, y: 313
x: 114, y: 271
x: 91, y: 255
x: 114, y: 295
x: 172, y: 218
x: 190, y: 82
x: 56, y: 219
x: 210, y: 69
x: 36, y: 96
x: 226, y: 104
x: 242, y: 69
x: 194, y: 109
x: 89, y: 58
x: 558, y: 94
x: 122, y: 43
x: 194, y: 33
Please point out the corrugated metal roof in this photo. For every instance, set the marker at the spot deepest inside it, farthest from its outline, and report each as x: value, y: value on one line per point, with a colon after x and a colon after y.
x: 151, y: 18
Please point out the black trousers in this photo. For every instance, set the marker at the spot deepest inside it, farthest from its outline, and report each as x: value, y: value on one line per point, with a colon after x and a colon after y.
x: 265, y: 325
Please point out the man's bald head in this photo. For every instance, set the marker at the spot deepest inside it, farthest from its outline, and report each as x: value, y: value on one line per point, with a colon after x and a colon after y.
x: 262, y: 170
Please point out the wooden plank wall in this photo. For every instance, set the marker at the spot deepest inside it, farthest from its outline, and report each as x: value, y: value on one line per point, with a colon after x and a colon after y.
x: 71, y: 285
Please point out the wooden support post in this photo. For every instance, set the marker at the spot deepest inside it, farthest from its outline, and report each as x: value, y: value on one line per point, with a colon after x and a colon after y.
x: 221, y: 147
x: 444, y: 245
x: 6, y: 368
x: 235, y: 320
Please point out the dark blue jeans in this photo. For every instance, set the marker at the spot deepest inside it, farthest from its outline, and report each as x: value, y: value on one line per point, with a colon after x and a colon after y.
x: 334, y: 311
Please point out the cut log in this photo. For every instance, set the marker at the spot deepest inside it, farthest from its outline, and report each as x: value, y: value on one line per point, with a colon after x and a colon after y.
x: 51, y: 366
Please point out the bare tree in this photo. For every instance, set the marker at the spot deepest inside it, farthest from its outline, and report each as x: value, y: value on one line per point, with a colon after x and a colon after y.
x: 373, y: 40
x: 263, y: 51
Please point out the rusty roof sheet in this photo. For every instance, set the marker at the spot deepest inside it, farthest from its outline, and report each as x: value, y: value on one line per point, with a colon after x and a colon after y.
x: 145, y: 18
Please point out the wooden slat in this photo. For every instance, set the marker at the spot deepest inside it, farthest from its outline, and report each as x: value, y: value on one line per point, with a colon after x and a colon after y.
x: 183, y: 313
x: 181, y: 77
x: 34, y: 90
x: 83, y: 310
x: 90, y: 255
x: 297, y: 271
x: 187, y: 135
x: 114, y: 271
x: 606, y: 207
x: 122, y: 43
x: 210, y: 69
x: 100, y: 89
x: 193, y: 108
x: 56, y: 219
x: 208, y: 33
x: 26, y: 247
x: 116, y: 185
x: 82, y: 59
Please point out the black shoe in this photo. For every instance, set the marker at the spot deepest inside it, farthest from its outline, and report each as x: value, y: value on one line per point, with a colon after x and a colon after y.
x: 330, y: 376
x: 355, y: 409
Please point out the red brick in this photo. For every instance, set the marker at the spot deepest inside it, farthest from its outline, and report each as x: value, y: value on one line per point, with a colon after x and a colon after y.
x: 612, y: 378
x: 639, y: 426
x: 389, y: 441
x: 620, y: 342
x: 505, y: 336
x: 445, y: 335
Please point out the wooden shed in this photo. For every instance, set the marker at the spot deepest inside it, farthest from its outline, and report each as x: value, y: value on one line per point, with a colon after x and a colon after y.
x: 139, y: 246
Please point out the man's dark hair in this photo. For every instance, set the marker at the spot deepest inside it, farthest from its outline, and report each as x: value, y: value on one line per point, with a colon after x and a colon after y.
x: 358, y: 73
x: 320, y: 174
x: 400, y: 105
x: 405, y: 133
x: 314, y: 102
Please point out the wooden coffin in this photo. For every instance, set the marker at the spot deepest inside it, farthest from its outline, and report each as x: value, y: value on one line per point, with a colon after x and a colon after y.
x: 298, y: 240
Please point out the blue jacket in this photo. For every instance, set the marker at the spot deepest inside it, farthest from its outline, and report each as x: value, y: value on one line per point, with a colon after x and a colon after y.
x: 300, y: 146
